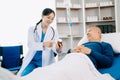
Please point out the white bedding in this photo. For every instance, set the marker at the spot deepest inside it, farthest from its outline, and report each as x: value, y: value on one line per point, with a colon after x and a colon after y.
x: 74, y: 66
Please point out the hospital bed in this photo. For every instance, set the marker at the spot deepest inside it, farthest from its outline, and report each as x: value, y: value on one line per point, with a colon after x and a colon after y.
x: 114, y: 70
x: 72, y: 67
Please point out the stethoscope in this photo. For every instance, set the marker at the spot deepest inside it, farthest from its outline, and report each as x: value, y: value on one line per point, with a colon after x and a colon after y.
x: 36, y: 33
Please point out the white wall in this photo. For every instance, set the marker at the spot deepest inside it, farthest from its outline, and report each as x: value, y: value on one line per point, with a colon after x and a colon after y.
x: 118, y: 15
x: 16, y: 16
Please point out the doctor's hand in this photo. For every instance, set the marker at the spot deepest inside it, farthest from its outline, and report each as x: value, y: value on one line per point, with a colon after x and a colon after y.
x: 59, y: 46
x: 48, y: 44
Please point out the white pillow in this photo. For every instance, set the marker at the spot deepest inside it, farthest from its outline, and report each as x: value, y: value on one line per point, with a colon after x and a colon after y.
x: 111, y: 38
x: 83, y: 40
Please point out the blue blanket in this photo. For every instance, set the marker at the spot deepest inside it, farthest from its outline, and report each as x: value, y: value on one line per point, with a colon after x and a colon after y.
x: 114, y: 70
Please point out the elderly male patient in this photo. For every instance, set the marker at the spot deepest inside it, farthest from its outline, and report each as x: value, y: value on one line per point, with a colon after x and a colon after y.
x: 100, y: 53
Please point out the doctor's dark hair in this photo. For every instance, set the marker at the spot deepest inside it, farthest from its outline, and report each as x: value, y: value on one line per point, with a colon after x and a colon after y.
x: 45, y: 12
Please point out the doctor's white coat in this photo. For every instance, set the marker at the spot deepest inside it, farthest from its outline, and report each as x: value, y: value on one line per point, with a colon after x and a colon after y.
x: 34, y: 45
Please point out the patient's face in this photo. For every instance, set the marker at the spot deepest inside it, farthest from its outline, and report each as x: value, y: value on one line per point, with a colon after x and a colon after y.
x: 93, y: 34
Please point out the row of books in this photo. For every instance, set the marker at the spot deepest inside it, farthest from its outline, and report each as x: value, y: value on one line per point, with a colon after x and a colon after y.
x: 107, y: 28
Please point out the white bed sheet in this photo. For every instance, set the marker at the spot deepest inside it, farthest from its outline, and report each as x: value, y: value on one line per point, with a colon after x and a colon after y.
x: 74, y: 66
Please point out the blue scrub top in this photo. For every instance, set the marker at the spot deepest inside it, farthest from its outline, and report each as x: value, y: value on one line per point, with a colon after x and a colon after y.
x: 37, y: 59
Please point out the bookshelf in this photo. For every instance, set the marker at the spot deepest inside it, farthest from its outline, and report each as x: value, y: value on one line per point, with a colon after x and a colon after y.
x: 82, y: 14
x: 101, y: 13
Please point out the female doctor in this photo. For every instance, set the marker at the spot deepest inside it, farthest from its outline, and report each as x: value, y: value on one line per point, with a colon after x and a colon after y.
x: 42, y: 44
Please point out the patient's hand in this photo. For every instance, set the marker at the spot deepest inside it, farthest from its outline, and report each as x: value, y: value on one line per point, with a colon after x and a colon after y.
x: 85, y: 50
x: 81, y: 49
x: 76, y: 49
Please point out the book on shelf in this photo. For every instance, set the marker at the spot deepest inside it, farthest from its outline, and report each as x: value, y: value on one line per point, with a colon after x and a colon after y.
x: 106, y: 28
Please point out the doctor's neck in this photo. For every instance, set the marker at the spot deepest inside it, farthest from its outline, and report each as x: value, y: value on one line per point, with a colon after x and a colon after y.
x: 44, y: 25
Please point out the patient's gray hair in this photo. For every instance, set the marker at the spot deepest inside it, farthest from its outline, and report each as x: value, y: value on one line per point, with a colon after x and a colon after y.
x: 97, y: 28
